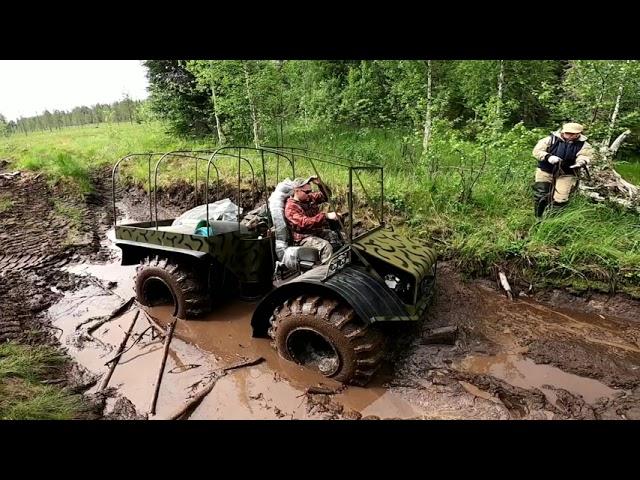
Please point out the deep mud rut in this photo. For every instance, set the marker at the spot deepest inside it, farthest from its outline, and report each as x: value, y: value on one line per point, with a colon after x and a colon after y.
x: 555, y: 356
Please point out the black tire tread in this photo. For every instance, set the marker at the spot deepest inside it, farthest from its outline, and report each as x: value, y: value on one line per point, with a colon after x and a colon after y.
x: 366, y: 343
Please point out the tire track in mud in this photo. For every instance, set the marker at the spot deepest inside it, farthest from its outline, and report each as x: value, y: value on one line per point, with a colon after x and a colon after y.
x: 38, y: 238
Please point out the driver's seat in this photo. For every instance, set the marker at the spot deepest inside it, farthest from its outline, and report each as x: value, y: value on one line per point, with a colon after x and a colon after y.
x: 293, y: 257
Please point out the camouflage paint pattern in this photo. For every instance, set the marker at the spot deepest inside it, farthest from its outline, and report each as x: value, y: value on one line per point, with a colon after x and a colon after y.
x: 410, y: 256
x: 247, y: 256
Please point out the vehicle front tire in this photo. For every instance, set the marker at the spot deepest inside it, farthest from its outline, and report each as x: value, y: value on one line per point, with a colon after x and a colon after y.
x: 326, y: 335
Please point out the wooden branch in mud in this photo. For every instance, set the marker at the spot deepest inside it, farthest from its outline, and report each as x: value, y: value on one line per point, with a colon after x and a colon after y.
x: 116, y: 313
x: 102, y: 287
x: 167, y: 340
x: 247, y: 363
x: 89, y: 320
x: 154, y: 324
x: 443, y: 335
x: 319, y: 389
x: 184, y: 411
x: 505, y: 284
x: 116, y: 359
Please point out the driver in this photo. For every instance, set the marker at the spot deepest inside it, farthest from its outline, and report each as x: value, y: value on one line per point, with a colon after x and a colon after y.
x: 309, y: 226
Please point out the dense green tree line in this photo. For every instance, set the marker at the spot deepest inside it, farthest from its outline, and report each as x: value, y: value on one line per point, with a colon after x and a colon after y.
x: 252, y: 100
x: 126, y: 110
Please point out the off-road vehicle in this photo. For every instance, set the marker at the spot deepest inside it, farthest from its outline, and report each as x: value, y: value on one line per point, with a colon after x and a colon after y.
x: 323, y: 316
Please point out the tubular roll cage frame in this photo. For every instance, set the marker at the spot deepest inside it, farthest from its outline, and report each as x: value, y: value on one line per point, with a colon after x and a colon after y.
x: 287, y: 153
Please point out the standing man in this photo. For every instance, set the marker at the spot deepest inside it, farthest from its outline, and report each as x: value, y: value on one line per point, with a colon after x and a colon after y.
x: 560, y: 156
x: 309, y: 226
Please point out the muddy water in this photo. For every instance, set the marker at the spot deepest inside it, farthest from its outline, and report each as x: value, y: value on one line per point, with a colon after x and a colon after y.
x: 276, y: 388
x: 273, y: 389
x: 522, y: 372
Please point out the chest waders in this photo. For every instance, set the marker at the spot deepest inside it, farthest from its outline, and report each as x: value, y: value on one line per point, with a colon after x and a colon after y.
x: 545, y: 191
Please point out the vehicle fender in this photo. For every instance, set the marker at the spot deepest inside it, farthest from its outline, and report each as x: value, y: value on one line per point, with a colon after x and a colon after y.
x: 133, y: 252
x: 371, y: 299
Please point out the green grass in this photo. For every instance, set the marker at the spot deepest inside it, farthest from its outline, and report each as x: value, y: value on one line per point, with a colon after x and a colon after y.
x: 23, y: 396
x: 630, y: 171
x: 491, y: 223
x: 70, y: 153
x: 585, y: 246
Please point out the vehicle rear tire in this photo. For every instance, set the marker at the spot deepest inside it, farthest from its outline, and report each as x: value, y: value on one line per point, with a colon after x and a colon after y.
x: 326, y: 334
x: 160, y: 281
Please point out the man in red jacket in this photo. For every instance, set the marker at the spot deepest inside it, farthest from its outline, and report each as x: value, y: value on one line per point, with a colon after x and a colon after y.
x: 308, y: 225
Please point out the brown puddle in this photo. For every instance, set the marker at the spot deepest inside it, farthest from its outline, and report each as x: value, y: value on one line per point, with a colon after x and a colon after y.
x: 271, y: 390
x: 276, y: 388
x: 523, y: 372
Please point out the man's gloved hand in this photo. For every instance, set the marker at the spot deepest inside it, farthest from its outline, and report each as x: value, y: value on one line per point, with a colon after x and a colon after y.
x: 553, y: 159
x: 581, y: 162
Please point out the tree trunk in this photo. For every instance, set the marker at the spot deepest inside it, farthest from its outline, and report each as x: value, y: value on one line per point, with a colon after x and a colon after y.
x: 221, y: 139
x: 616, y: 109
x: 427, y: 121
x: 500, y: 88
x: 254, y: 112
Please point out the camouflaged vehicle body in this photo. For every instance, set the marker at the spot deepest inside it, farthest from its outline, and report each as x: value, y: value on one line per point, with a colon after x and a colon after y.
x: 250, y: 259
x: 410, y: 256
x: 246, y: 255
x: 361, y: 286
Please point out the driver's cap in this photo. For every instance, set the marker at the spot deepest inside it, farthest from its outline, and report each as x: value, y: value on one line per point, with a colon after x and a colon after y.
x: 301, y: 182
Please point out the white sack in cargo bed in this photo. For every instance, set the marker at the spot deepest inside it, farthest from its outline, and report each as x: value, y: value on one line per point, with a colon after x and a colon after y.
x: 223, y: 209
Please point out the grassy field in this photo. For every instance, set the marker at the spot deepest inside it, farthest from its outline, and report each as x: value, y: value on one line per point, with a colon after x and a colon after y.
x: 23, y: 396
x: 71, y: 152
x: 630, y: 171
x: 475, y: 204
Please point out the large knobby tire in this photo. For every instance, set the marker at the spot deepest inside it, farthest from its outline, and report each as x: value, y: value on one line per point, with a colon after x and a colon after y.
x: 326, y: 334
x: 157, y: 276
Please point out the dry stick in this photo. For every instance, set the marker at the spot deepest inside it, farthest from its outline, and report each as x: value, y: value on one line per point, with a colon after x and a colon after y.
x: 154, y: 324
x: 167, y: 340
x: 102, y: 287
x: 179, y: 414
x: 105, y: 382
x: 505, y: 284
x: 116, y: 313
x: 89, y: 320
x: 130, y: 346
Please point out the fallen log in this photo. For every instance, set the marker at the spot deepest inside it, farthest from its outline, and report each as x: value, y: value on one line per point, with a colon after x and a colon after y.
x: 167, y: 340
x: 116, y: 359
x: 184, y: 412
x: 320, y: 389
x: 606, y: 184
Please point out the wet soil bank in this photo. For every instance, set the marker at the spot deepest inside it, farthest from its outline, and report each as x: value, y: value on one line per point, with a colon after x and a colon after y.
x: 552, y: 356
